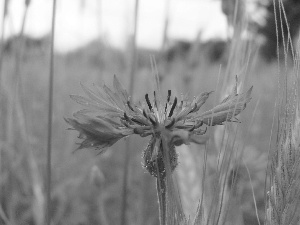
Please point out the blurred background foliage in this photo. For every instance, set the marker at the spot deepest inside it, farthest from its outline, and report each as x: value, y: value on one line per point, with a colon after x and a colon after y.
x: 87, y: 189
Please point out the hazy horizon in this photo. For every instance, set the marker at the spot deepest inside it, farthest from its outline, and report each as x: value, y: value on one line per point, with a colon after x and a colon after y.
x: 80, y: 22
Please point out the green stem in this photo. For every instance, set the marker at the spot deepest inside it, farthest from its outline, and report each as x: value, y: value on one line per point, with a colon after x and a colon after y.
x: 2, y: 37
x: 164, y: 173
x: 170, y: 208
x: 161, y: 193
x: 50, y: 111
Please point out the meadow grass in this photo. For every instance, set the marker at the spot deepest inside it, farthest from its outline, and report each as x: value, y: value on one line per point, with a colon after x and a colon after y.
x: 127, y: 152
x: 282, y: 192
x: 215, y: 181
x: 50, y: 119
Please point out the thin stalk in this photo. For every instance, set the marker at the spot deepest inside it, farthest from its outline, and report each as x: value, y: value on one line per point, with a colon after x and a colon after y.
x: 170, y: 209
x: 162, y: 172
x: 133, y: 57
x: 253, y: 195
x: 3, y: 216
x: 123, y: 220
x: 166, y: 24
x: 13, y: 99
x: 16, y: 87
x: 200, y: 216
x: 1, y: 89
x: 2, y: 37
x: 50, y: 110
x: 161, y: 194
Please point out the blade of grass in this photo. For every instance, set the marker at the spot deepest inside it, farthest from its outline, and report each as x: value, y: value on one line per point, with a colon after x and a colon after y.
x: 237, y: 65
x: 5, y: 5
x: 253, y: 195
x: 38, y: 200
x: 15, y: 112
x: 50, y: 110
x: 166, y: 24
x: 3, y: 216
x: 123, y: 220
x: 14, y: 101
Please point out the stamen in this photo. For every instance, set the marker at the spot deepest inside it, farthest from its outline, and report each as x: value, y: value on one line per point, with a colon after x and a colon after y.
x: 166, y: 108
x: 125, y: 123
x: 129, y: 106
x: 193, y: 128
x: 168, y: 100
x: 173, y: 107
x: 155, y: 102
x: 126, y: 117
x: 152, y: 121
x: 181, y: 104
x: 199, y: 124
x: 136, y: 121
x: 170, y: 124
x: 145, y: 114
x: 169, y: 95
x: 148, y: 102
x: 194, y: 108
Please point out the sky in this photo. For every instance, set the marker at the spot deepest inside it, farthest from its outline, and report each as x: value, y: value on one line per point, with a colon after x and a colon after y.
x: 79, y: 22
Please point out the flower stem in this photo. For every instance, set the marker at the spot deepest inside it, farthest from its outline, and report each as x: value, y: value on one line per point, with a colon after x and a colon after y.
x: 164, y: 179
x: 162, y: 194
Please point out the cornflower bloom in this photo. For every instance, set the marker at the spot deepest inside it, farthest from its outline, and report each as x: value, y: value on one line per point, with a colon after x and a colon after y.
x: 111, y: 115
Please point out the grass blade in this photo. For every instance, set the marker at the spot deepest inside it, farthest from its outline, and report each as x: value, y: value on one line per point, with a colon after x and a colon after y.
x: 50, y: 110
x: 123, y: 220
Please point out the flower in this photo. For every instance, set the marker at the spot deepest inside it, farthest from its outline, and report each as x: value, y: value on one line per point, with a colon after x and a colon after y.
x: 110, y: 115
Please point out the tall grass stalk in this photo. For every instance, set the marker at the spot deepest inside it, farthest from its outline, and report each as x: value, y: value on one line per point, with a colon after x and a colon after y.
x: 127, y: 152
x: 226, y: 210
x: 166, y: 24
x: 283, y: 196
x: 15, y: 112
x: 14, y: 98
x: 38, y: 195
x: 215, y: 210
x: 5, y: 7
x: 50, y: 111
x: 283, y: 192
x: 16, y: 115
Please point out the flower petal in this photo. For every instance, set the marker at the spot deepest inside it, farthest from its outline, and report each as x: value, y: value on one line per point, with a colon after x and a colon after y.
x: 120, y: 90
x: 201, y: 99
x: 92, y: 105
x: 226, y: 110
x: 92, y: 95
x: 97, y: 133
